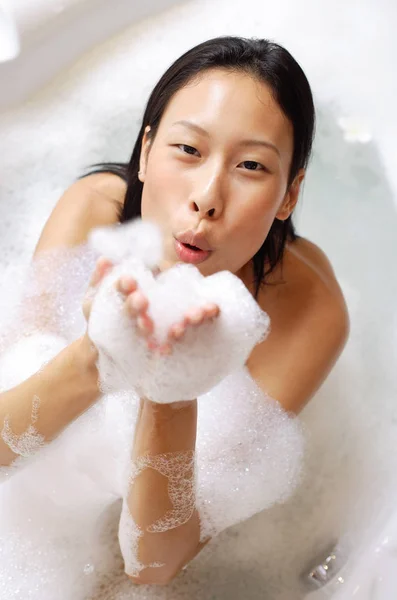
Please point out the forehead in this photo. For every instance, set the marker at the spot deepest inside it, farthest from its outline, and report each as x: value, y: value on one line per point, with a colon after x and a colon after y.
x: 228, y: 102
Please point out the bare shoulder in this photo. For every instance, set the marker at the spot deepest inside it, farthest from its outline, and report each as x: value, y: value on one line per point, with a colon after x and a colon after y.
x: 313, y: 258
x: 108, y: 185
x: 316, y: 285
x: 93, y: 201
x: 306, y: 281
x: 309, y: 327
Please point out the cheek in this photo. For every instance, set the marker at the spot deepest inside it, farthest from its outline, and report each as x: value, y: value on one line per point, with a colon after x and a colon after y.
x: 251, y: 225
x: 163, y: 186
x: 254, y: 223
x: 154, y: 200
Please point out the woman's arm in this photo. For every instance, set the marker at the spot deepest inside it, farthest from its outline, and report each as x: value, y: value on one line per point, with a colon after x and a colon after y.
x: 67, y: 385
x: 293, y: 365
x: 65, y: 388
x: 166, y: 435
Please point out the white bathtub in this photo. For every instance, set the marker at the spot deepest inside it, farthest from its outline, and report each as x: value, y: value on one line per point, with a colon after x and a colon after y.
x: 371, y: 572
x: 374, y: 575
x: 73, y: 70
x: 53, y: 34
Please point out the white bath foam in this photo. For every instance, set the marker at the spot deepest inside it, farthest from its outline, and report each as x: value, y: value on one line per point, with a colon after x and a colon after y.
x: 190, y: 371
x: 58, y: 505
x: 249, y: 468
x: 118, y: 94
x: 53, y: 502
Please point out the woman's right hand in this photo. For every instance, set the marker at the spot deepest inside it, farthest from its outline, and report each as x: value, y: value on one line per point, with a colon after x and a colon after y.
x: 135, y: 301
x: 137, y: 304
x: 102, y: 267
x: 122, y: 324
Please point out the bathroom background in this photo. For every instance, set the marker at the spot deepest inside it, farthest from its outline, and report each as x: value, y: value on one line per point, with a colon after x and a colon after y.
x: 74, y: 95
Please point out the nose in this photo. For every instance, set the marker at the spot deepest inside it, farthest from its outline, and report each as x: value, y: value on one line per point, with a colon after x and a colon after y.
x: 207, y: 195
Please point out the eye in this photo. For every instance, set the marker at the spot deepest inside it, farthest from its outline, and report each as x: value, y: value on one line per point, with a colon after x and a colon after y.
x: 251, y: 165
x: 189, y: 148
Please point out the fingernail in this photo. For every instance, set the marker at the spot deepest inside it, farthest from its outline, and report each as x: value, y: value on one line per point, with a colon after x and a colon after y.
x: 196, y: 318
x: 138, y: 302
x: 125, y: 285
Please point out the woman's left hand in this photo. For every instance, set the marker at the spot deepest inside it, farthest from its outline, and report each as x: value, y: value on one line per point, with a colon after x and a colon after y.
x: 176, y: 338
x: 138, y: 304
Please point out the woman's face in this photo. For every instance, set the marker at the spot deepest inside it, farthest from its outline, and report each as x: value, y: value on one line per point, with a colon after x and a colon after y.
x: 219, y: 165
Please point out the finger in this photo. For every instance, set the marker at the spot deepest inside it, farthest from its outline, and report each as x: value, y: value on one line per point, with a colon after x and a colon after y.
x: 137, y: 303
x: 151, y: 343
x: 126, y: 285
x: 165, y: 349
x: 211, y: 310
x: 145, y: 325
x: 103, y: 264
x: 176, y: 331
x: 194, y: 316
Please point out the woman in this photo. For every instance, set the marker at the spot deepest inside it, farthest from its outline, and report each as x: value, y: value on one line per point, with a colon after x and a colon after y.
x: 218, y: 164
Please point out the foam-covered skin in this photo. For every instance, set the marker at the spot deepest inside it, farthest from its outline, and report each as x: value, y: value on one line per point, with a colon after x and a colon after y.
x: 205, y: 355
x: 54, y: 531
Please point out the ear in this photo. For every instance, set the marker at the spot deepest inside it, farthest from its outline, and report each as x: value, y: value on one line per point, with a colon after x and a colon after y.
x: 291, y: 197
x: 146, y: 141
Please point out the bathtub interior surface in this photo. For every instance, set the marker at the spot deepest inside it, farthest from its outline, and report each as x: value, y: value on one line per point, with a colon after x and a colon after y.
x: 374, y: 576
x: 370, y: 573
x: 9, y: 37
x: 348, y: 207
x: 46, y: 30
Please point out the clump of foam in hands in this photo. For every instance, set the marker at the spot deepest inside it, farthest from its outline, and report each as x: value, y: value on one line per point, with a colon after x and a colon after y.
x: 206, y: 354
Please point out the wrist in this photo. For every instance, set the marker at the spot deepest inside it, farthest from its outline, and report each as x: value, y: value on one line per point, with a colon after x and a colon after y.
x: 168, y: 407
x: 161, y: 428
x: 85, y: 357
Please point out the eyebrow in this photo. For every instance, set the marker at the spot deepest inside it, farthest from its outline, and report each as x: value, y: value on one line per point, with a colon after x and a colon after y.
x: 202, y: 131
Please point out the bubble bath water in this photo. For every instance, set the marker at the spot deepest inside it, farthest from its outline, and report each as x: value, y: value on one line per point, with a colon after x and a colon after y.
x: 347, y: 208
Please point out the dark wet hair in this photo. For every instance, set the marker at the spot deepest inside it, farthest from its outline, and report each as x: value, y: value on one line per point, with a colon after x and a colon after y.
x: 268, y: 62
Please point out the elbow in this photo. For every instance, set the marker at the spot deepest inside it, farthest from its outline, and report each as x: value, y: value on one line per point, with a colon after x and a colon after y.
x: 172, y: 559
x: 8, y: 461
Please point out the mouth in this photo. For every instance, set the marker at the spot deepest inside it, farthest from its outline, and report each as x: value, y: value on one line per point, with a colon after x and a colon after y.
x: 191, y: 254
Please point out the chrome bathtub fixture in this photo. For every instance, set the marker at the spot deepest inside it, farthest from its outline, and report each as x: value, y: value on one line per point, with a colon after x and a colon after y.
x: 9, y: 38
x: 325, y: 570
